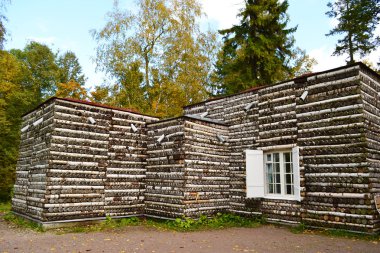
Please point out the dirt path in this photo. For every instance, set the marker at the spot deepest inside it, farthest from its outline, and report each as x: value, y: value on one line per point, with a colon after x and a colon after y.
x: 142, y: 239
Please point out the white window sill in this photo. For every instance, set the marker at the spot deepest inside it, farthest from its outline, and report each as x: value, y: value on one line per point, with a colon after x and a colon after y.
x: 281, y: 197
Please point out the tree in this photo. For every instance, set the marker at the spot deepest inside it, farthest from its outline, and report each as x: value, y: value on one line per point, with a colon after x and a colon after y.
x: 100, y: 95
x: 3, y: 31
x: 69, y: 69
x: 41, y: 70
x: 357, y: 21
x: 71, y: 80
x: 15, y: 99
x: 301, y: 63
x: 156, y: 47
x: 258, y: 51
x: 71, y: 89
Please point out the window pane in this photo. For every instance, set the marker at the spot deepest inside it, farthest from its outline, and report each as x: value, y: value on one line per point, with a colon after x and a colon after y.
x: 278, y: 178
x: 276, y: 168
x: 289, y: 189
x: 279, y: 173
x: 287, y: 157
x: 270, y: 189
x: 278, y: 188
x: 288, y: 168
x: 276, y: 157
x: 269, y: 168
x: 289, y: 179
x: 270, y: 178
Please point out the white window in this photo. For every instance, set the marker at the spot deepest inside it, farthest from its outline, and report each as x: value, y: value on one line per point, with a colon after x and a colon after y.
x: 273, y: 174
x: 279, y: 173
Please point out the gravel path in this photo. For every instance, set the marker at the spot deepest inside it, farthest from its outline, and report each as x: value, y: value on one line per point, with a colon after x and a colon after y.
x: 142, y: 239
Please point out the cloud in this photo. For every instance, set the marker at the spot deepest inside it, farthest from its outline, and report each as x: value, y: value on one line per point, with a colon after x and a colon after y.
x: 326, y: 60
x: 222, y: 13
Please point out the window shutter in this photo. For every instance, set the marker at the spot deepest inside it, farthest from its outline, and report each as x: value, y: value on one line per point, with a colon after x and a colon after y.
x: 296, y: 172
x: 255, y: 173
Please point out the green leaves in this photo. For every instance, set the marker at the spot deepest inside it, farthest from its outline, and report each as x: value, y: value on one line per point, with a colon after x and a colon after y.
x: 159, y: 58
x: 69, y: 69
x: 15, y: 99
x: 27, y: 78
x: 357, y: 21
x: 260, y: 50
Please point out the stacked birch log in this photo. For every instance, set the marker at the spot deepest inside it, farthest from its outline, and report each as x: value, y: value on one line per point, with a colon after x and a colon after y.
x: 165, y: 169
x: 206, y: 167
x: 335, y: 124
x: 126, y: 172
x: 33, y: 163
x: 370, y: 92
x: 82, y: 173
x: 187, y: 168
x: 278, y: 131
x: 83, y: 160
x: 331, y: 135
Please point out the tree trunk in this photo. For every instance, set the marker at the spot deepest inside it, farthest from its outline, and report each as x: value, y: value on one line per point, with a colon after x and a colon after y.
x: 146, y: 58
x: 350, y: 46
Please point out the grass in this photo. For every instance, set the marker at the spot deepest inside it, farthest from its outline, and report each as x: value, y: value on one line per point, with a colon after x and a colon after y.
x: 108, y: 224
x: 218, y: 221
x: 5, y: 207
x: 23, y: 223
x: 7, y: 215
x: 339, y: 233
x: 350, y: 235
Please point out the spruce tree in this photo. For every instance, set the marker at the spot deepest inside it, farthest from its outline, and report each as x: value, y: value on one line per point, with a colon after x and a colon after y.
x: 357, y: 21
x: 259, y: 50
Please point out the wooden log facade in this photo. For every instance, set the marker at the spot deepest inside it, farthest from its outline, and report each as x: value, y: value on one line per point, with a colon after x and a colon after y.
x: 334, y: 119
x: 33, y: 163
x: 187, y: 168
x: 82, y: 160
x: 79, y: 160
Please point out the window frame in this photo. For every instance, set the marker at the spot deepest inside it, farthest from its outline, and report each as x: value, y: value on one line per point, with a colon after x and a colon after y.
x: 282, y: 173
x: 255, y: 173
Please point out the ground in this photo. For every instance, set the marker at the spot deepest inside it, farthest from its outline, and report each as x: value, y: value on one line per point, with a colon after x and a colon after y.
x: 265, y: 238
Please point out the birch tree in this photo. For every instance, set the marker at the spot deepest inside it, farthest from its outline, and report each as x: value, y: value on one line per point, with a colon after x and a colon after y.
x: 162, y: 47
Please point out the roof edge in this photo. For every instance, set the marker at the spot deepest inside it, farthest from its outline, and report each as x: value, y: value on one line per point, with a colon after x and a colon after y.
x: 193, y: 117
x: 91, y: 104
x: 257, y: 88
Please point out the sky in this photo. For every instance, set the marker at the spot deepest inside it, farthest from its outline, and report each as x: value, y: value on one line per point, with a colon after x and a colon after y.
x: 66, y: 24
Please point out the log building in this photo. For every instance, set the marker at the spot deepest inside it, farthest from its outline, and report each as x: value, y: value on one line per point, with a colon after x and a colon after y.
x: 305, y: 150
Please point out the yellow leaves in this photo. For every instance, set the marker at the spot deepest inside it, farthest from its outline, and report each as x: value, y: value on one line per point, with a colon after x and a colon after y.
x: 10, y: 72
x: 157, y: 55
x: 72, y: 89
x: 100, y: 94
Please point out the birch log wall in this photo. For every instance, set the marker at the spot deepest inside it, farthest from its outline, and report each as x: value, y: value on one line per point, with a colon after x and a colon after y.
x: 33, y: 162
x: 336, y: 127
x: 206, y: 167
x: 82, y: 167
x: 80, y: 160
x: 126, y: 172
x: 370, y: 91
x: 187, y: 171
x: 165, y: 170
